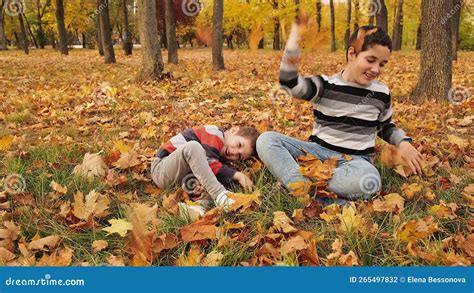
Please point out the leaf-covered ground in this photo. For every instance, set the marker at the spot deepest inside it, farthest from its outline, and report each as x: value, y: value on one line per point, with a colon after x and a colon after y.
x: 54, y: 110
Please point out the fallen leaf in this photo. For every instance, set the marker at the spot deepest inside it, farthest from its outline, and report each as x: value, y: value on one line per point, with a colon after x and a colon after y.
x: 282, y: 223
x: 99, y: 245
x: 392, y: 202
x: 40, y: 244
x: 92, y: 166
x: 244, y: 202
x: 119, y: 226
x: 95, y: 205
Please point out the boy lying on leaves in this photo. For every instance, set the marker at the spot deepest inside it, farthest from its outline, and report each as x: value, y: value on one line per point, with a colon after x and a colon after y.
x: 198, y: 152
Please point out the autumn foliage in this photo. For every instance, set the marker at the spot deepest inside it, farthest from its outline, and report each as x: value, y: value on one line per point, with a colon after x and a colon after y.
x: 80, y: 135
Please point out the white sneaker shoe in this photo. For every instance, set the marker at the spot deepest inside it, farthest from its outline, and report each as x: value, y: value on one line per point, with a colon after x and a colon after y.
x: 222, y: 200
x: 193, y: 212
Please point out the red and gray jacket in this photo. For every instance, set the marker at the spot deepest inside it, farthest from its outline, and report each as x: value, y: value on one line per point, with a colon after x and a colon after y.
x: 212, y: 140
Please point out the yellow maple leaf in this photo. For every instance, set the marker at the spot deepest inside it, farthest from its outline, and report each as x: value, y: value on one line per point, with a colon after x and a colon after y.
x: 243, y: 201
x: 119, y: 226
x: 6, y: 142
x: 148, y: 132
x: 444, y: 210
x: 122, y: 146
x: 282, y: 223
x: 410, y: 190
x: 350, y: 221
x: 415, y: 230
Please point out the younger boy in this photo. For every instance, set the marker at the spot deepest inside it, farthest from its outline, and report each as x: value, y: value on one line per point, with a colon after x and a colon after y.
x: 201, y: 151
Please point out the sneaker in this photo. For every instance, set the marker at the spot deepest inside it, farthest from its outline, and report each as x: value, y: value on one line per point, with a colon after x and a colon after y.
x: 222, y: 200
x: 191, y: 211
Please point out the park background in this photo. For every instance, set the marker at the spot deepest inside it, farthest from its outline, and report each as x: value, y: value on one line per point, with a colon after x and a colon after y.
x: 90, y: 89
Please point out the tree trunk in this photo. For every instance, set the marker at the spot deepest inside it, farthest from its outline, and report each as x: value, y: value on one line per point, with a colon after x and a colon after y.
x: 276, y: 28
x: 457, y: 5
x: 217, y: 54
x: 152, y: 62
x: 318, y: 14
x: 84, y: 41
x: 398, y: 28
x: 100, y: 48
x: 32, y: 36
x: 3, y: 39
x: 372, y: 10
x: 171, y: 32
x: 382, y: 16
x: 356, y: 14
x: 24, y: 37
x: 106, y: 32
x: 333, y: 29
x: 418, y: 37
x: 348, y: 23
x: 40, y: 35
x: 61, y: 27
x: 127, y: 35
x: 436, y: 56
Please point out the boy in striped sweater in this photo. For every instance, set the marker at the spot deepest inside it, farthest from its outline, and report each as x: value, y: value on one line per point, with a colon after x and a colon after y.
x: 198, y: 154
x: 350, y: 109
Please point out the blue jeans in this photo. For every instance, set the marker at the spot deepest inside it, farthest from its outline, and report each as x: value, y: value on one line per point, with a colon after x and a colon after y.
x: 351, y: 180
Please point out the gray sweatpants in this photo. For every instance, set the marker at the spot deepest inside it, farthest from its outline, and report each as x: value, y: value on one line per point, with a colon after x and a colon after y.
x: 190, y: 157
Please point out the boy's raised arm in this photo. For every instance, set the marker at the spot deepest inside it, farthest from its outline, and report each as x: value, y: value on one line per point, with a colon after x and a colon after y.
x: 305, y: 88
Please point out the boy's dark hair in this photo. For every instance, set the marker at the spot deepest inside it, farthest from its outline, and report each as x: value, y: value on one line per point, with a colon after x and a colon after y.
x: 366, y: 37
x: 252, y: 135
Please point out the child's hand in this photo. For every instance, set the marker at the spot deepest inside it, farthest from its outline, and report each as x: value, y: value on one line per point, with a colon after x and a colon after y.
x: 244, y: 181
x: 303, y: 20
x: 411, y: 156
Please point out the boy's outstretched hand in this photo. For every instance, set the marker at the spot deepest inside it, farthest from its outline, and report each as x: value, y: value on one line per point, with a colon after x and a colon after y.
x: 411, y: 156
x: 244, y: 181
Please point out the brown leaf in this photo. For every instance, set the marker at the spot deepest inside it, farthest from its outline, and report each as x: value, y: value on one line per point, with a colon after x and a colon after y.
x: 99, y: 245
x: 61, y: 257
x: 163, y: 242
x: 141, y: 239
x: 293, y: 244
x: 95, y: 205
x: 92, y: 166
x: 392, y: 202
x: 313, y: 210
x: 40, y: 244
x: 282, y: 223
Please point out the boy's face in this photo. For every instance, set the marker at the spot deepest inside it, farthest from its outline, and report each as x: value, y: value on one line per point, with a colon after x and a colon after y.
x: 236, y: 147
x: 369, y: 64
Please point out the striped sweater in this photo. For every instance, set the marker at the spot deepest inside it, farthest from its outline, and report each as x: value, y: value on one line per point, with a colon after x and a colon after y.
x: 347, y: 116
x: 212, y: 140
